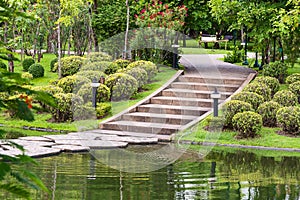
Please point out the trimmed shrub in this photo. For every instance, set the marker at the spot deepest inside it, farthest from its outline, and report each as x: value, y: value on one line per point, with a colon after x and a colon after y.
x: 122, y: 86
x: 295, y: 88
x: 27, y: 75
x: 51, y: 89
x: 271, y: 82
x: 66, y: 104
x: 103, y: 109
x: 148, y: 66
x: 139, y: 74
x: 95, y: 66
x: 122, y: 63
x: 276, y: 69
x: 27, y: 62
x: 293, y: 78
x: 70, y: 65
x: 84, y: 112
x: 268, y: 112
x: 233, y: 107
x: 92, y: 74
x: 36, y: 70
x: 250, y: 97
x: 73, y: 83
x: 288, y: 118
x: 259, y: 88
x: 214, y: 124
x: 112, y: 68
x: 103, y: 93
x: 97, y: 57
x: 247, y: 123
x: 52, y: 65
x: 3, y: 66
x: 285, y: 98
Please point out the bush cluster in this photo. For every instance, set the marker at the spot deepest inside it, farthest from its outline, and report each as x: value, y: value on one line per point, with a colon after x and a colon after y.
x: 36, y: 70
x: 215, y: 124
x: 293, y: 78
x: 52, y: 65
x: 27, y: 75
x: 92, y: 74
x: 268, y: 111
x: 271, y: 82
x: 250, y: 97
x: 139, y: 74
x: 84, y: 112
x: 122, y: 63
x: 288, y: 118
x: 148, y: 66
x: 295, y: 88
x: 259, y: 88
x: 85, y: 91
x: 276, y: 69
x: 27, y: 62
x: 112, y: 68
x: 73, y: 83
x: 97, y: 57
x: 96, y: 66
x: 285, y: 98
x: 70, y: 65
x: 247, y: 123
x: 103, y: 109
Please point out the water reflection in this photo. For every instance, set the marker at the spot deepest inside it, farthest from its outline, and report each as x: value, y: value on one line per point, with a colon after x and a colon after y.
x: 221, y: 175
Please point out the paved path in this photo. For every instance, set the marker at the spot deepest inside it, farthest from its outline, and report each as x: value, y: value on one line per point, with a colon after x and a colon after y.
x: 181, y: 103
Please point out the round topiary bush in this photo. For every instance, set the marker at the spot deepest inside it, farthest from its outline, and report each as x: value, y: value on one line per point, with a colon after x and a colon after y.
x: 268, y: 112
x: 103, y: 109
x: 73, y: 83
x: 295, y: 88
x: 259, y: 88
x: 52, y: 65
x: 293, y: 78
x: 27, y: 62
x: 285, y: 98
x: 247, y: 123
x: 27, y: 75
x: 276, y: 69
x: 97, y: 57
x: 271, y: 82
x: 250, y: 97
x: 92, y: 74
x: 139, y: 74
x: 96, y: 66
x: 84, y: 112
x: 288, y: 118
x: 233, y: 107
x: 70, y: 65
x: 36, y: 70
x: 3, y: 66
x: 121, y: 85
x: 112, y: 68
x: 214, y: 124
x: 51, y: 89
x: 148, y: 66
x: 85, y: 91
x: 122, y: 63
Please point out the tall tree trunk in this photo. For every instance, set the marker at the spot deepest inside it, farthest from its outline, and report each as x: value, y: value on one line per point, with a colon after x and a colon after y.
x: 126, y: 33
x: 96, y: 42
x: 69, y: 42
x: 59, y: 50
x: 281, y: 50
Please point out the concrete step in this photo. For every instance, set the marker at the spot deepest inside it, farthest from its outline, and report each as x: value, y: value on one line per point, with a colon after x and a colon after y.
x: 204, y: 86
x: 158, y: 118
x: 185, y: 93
x: 144, y: 127
x: 212, y: 79
x: 173, y: 110
x: 180, y: 101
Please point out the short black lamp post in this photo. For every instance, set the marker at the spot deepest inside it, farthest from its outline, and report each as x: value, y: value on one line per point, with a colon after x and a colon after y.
x: 256, y: 60
x: 175, y: 56
x: 215, y: 96
x: 95, y: 84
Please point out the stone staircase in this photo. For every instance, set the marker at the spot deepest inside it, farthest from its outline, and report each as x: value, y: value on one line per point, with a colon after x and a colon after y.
x: 178, y: 104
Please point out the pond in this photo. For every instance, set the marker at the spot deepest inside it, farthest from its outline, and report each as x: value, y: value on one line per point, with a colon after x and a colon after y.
x: 232, y: 174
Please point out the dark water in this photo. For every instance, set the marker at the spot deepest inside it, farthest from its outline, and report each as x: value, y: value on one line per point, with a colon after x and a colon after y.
x: 221, y: 175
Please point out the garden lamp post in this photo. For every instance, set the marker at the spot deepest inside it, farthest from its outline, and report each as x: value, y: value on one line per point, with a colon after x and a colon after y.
x: 95, y: 84
x: 246, y: 45
x: 256, y: 60
x: 175, y: 56
x: 215, y: 96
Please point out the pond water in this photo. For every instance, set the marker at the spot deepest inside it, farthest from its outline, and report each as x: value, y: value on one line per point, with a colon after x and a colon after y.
x: 220, y: 175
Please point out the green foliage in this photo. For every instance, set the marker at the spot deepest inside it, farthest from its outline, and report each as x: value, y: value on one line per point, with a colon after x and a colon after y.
x: 295, y: 88
x: 66, y: 105
x: 235, y: 56
x: 233, y: 107
x: 3, y: 66
x: 121, y: 85
x: 73, y: 83
x: 103, y: 109
x: 214, y: 124
x: 37, y: 70
x: 293, y: 78
x: 271, y: 82
x: 112, y: 68
x: 250, y: 97
x: 27, y: 76
x: 148, y: 66
x: 247, y: 123
x: 259, y: 88
x: 288, y: 118
x: 51, y: 89
x: 91, y: 74
x: 122, y: 63
x: 139, y: 74
x: 70, y: 65
x: 97, y: 57
x: 95, y: 66
x: 268, y: 111
x: 85, y: 91
x: 285, y: 98
x: 52, y: 65
x: 27, y: 62
x: 84, y: 112
x: 276, y: 69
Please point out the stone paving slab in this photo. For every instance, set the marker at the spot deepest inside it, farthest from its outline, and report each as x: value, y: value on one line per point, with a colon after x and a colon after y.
x: 130, y: 140
x: 62, y: 137
x: 35, y: 138
x: 71, y: 148
x: 41, y: 151
x: 100, y: 144
x: 69, y: 142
